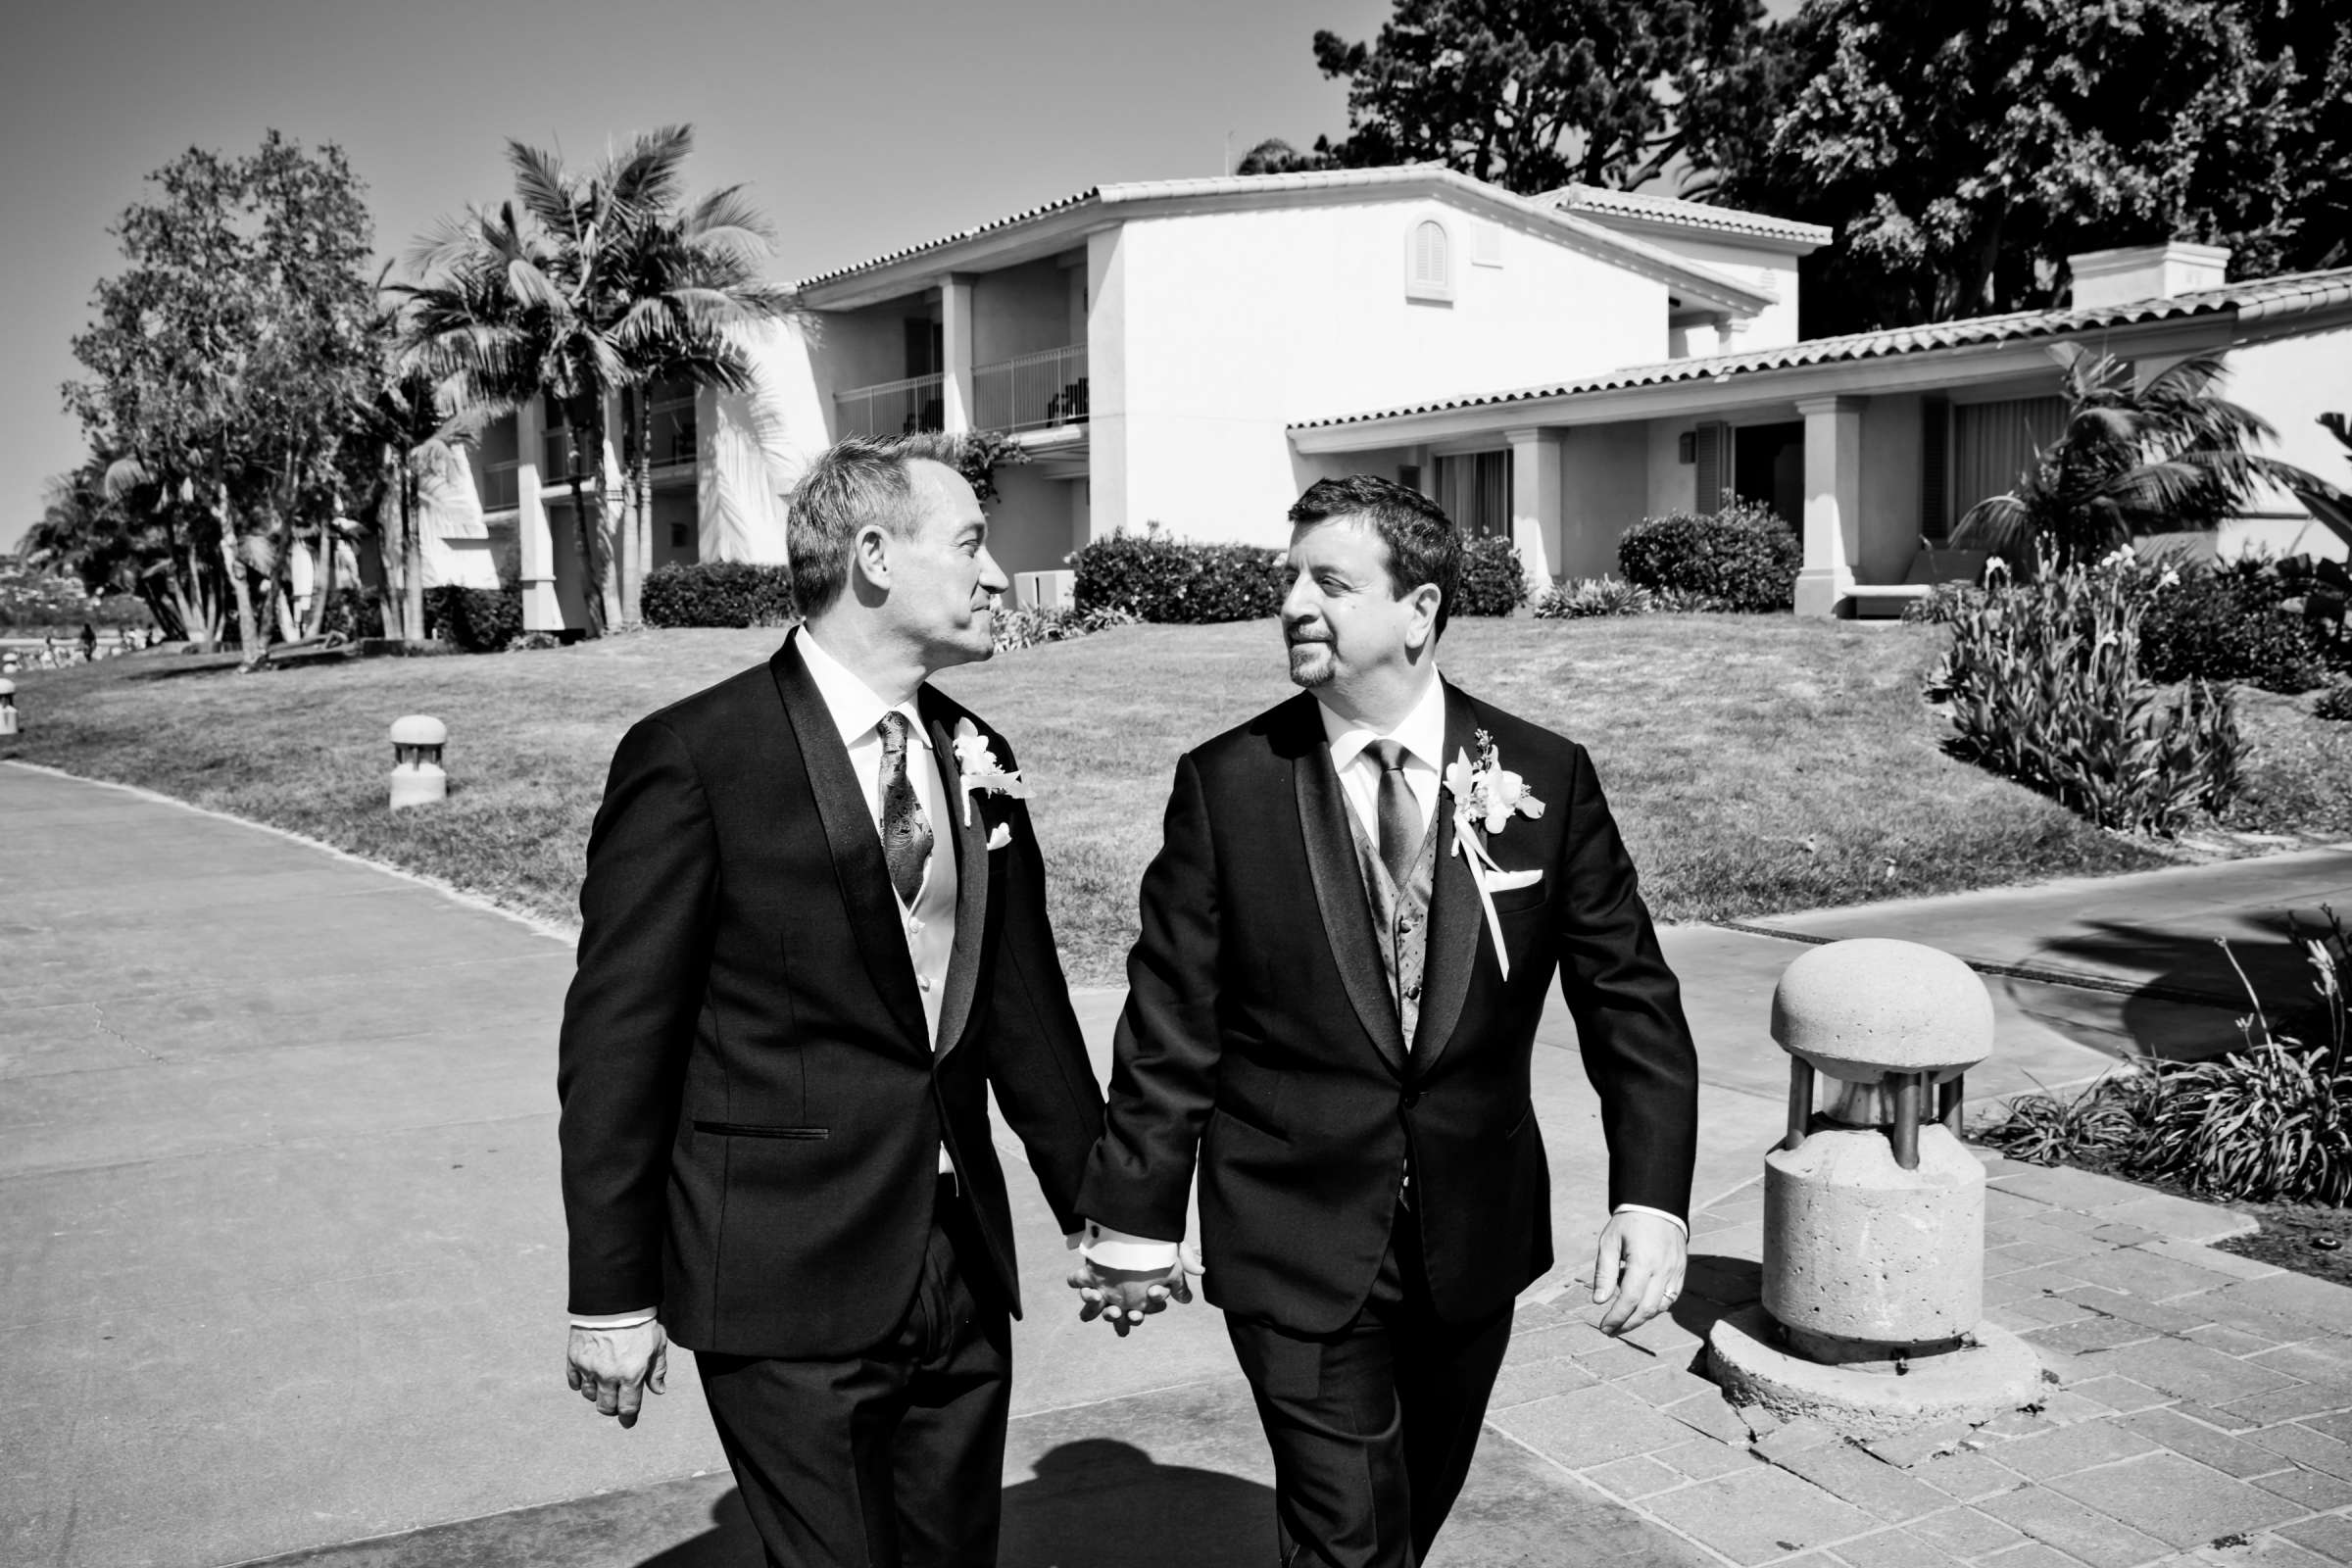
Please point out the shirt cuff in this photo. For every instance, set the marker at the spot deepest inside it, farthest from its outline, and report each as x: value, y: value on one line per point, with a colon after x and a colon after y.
x: 617, y: 1320
x: 1109, y: 1248
x: 1677, y: 1220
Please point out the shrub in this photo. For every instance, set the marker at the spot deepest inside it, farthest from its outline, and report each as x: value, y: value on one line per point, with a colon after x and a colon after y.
x: 1743, y: 557
x: 2044, y: 687
x: 1161, y: 579
x: 1579, y: 597
x: 718, y: 593
x: 1023, y: 627
x: 353, y: 612
x: 2334, y: 702
x: 480, y: 620
x: 2227, y: 624
x: 1941, y: 604
x: 1494, y: 582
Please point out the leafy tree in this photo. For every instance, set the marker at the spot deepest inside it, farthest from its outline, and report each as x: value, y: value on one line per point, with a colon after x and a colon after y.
x: 1963, y: 153
x: 225, y: 363
x: 2167, y: 455
x: 1530, y: 94
x: 1274, y: 156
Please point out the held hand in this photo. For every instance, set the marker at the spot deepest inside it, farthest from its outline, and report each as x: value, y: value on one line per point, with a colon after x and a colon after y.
x: 1637, y: 1270
x: 1126, y: 1296
x: 611, y: 1368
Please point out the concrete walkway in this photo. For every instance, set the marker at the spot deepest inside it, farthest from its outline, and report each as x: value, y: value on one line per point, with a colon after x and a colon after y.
x: 281, y: 1245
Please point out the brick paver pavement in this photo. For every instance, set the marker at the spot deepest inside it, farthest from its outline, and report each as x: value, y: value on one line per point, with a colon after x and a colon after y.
x: 2197, y: 1406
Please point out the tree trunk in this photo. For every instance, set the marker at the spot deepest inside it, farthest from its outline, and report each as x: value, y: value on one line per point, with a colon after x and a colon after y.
x: 248, y: 632
x: 411, y: 560
x: 632, y: 557
x: 275, y: 601
x: 645, y: 515
x: 587, y: 528
x: 322, y: 580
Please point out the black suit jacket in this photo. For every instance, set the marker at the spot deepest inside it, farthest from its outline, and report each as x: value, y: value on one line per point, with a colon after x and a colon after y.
x: 753, y: 1107
x: 1259, y: 1033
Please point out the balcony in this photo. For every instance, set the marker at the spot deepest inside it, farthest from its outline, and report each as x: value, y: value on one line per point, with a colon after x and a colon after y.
x: 1032, y: 391
x: 891, y: 408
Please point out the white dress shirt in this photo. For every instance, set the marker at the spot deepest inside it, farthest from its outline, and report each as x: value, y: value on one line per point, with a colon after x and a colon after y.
x: 1422, y: 734
x: 929, y: 923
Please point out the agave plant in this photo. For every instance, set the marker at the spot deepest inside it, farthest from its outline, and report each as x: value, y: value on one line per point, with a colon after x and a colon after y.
x: 2170, y: 454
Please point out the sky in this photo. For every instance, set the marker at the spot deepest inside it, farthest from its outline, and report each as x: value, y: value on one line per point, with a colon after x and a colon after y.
x: 859, y: 128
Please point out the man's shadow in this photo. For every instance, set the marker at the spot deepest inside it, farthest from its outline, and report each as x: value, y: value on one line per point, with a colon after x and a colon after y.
x: 1083, y: 1493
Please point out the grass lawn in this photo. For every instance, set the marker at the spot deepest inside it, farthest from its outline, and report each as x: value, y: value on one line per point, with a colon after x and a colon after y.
x: 1758, y: 763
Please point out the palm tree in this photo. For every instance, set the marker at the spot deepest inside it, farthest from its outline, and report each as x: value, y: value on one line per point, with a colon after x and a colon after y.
x: 417, y: 429
x: 2168, y: 456
x: 584, y: 285
x: 690, y: 287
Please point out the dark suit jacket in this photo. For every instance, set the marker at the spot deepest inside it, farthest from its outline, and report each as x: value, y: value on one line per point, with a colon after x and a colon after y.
x: 1260, y: 1031
x: 752, y: 1107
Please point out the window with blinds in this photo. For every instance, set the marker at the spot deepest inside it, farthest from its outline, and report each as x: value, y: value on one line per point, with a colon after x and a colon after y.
x: 1995, y: 445
x: 1474, y: 489
x: 1429, y: 262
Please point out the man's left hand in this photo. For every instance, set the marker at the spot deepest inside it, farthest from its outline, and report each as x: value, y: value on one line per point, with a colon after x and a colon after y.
x: 1637, y: 1270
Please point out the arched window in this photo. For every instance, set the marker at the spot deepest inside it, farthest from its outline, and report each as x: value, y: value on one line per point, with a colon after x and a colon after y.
x: 1429, y: 262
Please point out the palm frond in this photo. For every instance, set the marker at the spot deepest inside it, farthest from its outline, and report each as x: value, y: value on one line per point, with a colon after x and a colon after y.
x: 545, y: 189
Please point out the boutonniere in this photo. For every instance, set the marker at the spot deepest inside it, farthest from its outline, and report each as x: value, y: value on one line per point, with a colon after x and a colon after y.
x: 1485, y: 796
x: 977, y: 770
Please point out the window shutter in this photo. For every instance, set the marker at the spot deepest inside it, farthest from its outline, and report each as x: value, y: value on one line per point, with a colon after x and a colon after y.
x: 1935, y: 469
x: 1714, y: 464
x: 1430, y: 260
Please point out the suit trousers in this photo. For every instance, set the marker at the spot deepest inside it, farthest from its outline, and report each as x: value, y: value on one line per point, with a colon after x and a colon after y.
x: 890, y: 1459
x: 1372, y: 1428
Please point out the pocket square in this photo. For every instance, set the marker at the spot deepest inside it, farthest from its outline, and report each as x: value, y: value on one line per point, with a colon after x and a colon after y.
x: 1505, y: 881
x: 1001, y: 837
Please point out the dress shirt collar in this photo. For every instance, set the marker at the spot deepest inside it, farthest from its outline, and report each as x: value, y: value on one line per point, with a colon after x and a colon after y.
x: 1422, y: 731
x: 855, y: 707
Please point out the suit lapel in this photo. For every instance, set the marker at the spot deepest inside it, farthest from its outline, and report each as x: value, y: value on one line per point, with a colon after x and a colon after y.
x: 1339, y: 885
x: 1455, y: 919
x: 971, y: 882
x: 858, y: 864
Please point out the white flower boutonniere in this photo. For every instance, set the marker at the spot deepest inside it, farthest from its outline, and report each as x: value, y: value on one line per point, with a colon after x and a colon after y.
x: 1485, y: 796
x: 977, y: 770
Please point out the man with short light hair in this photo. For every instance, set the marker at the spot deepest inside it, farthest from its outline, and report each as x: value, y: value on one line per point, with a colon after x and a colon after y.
x: 814, y: 939
x: 1357, y: 904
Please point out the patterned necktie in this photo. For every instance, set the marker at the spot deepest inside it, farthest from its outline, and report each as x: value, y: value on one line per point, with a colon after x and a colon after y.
x: 1400, y: 813
x: 905, y: 831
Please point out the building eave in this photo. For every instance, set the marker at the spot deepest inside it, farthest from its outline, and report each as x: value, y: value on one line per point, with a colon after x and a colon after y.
x: 1055, y: 225
x: 1942, y: 354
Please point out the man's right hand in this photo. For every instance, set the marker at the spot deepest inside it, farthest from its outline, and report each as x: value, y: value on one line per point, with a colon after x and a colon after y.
x: 1126, y: 1296
x: 611, y: 1368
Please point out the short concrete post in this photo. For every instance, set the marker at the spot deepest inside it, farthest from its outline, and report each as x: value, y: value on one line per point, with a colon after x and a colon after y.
x: 8, y: 708
x: 9, y: 663
x: 417, y: 776
x: 1874, y: 1211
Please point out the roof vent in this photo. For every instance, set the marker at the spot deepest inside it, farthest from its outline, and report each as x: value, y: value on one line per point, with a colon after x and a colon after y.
x: 2145, y: 273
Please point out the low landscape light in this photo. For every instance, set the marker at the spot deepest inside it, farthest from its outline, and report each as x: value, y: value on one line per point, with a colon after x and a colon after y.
x: 418, y: 778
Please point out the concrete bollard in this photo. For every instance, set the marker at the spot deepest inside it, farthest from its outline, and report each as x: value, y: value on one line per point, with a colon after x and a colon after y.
x: 8, y: 708
x: 418, y: 778
x: 1873, y: 1210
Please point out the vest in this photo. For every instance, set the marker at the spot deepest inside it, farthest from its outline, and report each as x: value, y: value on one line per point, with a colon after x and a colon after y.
x: 1400, y: 918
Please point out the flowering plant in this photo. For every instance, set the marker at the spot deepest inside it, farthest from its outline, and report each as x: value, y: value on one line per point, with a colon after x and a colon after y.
x: 1485, y: 796
x: 977, y: 770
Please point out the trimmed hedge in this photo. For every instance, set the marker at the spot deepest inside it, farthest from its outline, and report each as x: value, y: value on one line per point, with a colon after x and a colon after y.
x: 1172, y: 581
x: 718, y: 593
x: 1741, y: 557
x: 1494, y: 583
x: 480, y: 620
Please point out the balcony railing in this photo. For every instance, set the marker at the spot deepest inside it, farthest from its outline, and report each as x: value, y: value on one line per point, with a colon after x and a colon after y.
x: 1031, y: 392
x: 893, y: 407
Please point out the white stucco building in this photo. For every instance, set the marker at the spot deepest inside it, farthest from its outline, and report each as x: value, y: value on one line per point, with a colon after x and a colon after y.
x: 1192, y: 354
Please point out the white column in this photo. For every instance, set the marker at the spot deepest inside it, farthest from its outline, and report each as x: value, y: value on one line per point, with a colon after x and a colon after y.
x: 956, y: 334
x: 1535, y: 502
x: 1727, y: 334
x: 534, y: 542
x: 1832, y: 503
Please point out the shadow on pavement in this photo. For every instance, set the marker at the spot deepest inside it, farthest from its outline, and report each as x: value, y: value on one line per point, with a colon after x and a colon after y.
x: 1162, y: 1516
x: 2186, y: 968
